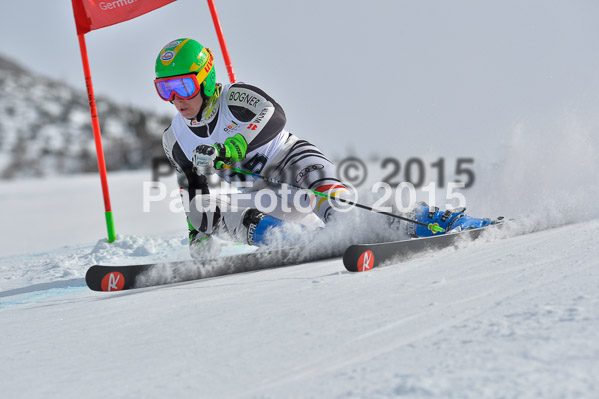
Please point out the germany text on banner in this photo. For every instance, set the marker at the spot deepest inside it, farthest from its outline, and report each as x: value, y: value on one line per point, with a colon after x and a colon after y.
x: 96, y: 14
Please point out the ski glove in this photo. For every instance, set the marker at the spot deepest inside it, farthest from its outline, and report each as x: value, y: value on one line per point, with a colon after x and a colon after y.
x: 233, y: 150
x: 207, y: 158
x: 203, y: 160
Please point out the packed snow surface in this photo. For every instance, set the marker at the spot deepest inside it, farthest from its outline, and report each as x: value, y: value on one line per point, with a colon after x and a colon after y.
x: 512, y: 315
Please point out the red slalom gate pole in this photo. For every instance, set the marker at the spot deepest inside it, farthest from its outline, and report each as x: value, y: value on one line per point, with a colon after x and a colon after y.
x: 221, y: 40
x: 97, y: 138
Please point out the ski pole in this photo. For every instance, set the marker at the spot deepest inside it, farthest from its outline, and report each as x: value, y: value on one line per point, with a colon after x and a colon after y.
x: 432, y: 227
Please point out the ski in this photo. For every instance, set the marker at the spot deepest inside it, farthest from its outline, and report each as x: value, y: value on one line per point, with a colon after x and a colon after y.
x: 356, y: 258
x: 364, y: 257
x: 118, y: 278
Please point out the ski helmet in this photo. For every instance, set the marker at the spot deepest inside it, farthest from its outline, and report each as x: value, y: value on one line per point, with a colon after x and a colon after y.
x: 183, y: 56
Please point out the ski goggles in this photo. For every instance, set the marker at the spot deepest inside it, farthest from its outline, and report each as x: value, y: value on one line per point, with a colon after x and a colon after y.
x: 185, y: 86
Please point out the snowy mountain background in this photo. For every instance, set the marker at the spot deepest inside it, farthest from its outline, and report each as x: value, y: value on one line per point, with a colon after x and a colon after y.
x: 45, y: 128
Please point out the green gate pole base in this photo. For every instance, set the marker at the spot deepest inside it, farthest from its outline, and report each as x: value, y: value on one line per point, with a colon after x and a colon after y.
x: 110, y: 226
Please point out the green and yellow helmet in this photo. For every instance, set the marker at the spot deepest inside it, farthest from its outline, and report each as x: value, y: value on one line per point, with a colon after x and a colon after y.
x: 184, y: 56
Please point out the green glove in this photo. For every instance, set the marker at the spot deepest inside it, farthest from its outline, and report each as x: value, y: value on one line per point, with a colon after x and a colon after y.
x: 233, y: 150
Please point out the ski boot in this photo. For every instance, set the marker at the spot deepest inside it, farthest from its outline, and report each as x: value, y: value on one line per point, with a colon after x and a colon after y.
x: 451, y: 220
x: 255, y: 227
x: 250, y: 227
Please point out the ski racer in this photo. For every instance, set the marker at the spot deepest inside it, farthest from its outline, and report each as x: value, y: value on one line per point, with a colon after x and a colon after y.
x: 242, y: 126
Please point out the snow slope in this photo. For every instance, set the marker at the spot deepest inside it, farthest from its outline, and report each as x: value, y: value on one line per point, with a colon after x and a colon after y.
x: 512, y: 316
